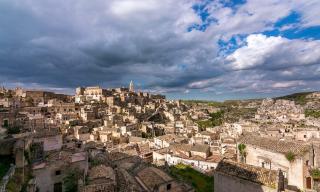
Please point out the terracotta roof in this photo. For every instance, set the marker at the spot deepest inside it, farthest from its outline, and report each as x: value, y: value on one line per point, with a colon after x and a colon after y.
x: 171, y: 138
x: 200, y: 148
x: 274, y: 144
x: 133, y: 139
x: 255, y: 174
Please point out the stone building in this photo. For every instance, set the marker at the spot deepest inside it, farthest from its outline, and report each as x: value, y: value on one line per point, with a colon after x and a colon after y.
x: 50, y: 173
x: 100, y: 178
x: 155, y: 180
x: 279, y: 111
x: 237, y: 177
x: 165, y: 140
x: 293, y: 158
x: 94, y: 93
x: 50, y: 140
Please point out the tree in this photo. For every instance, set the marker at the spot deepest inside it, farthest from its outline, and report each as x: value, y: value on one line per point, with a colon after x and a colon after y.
x: 29, y: 101
x: 70, y: 181
x: 13, y: 130
x: 242, y: 152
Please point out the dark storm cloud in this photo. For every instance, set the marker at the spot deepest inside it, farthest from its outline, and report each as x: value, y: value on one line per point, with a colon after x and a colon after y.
x: 64, y: 44
x: 83, y: 43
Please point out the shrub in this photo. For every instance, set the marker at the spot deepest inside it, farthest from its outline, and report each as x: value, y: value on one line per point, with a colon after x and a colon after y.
x: 315, y: 173
x: 242, y: 151
x: 70, y: 181
x: 290, y: 156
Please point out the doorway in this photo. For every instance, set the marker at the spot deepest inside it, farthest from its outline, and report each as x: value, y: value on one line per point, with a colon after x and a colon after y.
x: 308, y: 182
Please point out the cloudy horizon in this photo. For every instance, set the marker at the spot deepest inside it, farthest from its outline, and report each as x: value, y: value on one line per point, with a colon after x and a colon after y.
x: 188, y: 49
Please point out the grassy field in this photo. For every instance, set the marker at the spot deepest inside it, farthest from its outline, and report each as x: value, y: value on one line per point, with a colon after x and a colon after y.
x: 201, y: 182
x: 5, y: 164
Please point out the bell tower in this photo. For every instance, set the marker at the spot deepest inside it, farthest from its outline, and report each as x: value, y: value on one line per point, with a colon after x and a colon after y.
x: 131, y: 87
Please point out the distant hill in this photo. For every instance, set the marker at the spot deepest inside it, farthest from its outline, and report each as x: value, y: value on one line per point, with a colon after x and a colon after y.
x: 209, y: 103
x: 299, y: 98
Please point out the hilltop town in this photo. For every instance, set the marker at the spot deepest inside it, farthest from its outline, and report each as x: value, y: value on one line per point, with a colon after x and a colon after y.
x: 120, y: 139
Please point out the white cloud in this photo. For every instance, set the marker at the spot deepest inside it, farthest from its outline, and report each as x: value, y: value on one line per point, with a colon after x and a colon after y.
x: 274, y: 53
x: 128, y: 7
x: 309, y: 10
x: 255, y: 16
x: 252, y: 17
x: 204, y: 83
x: 287, y: 84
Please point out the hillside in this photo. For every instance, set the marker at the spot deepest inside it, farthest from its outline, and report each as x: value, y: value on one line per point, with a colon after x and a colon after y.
x: 298, y: 98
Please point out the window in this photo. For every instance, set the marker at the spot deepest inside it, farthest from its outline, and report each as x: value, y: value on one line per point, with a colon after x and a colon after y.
x: 58, y: 172
x: 57, y: 187
x: 263, y: 164
x: 307, y: 162
x: 305, y: 136
x: 6, y: 123
x: 168, y: 186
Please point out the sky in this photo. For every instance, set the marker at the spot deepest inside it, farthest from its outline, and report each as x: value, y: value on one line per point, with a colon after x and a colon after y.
x: 185, y: 49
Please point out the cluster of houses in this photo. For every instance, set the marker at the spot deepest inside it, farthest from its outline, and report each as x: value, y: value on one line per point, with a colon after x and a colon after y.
x: 124, y: 140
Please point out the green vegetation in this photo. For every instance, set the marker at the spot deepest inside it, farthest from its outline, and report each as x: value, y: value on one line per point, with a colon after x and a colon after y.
x: 13, y: 130
x: 199, y: 181
x: 5, y: 162
x: 16, y: 182
x: 312, y: 113
x: 204, y: 124
x: 243, y: 152
x: 209, y: 103
x: 216, y: 119
x: 234, y: 114
x: 315, y: 173
x: 70, y: 181
x: 96, y: 162
x: 232, y: 111
x: 290, y: 156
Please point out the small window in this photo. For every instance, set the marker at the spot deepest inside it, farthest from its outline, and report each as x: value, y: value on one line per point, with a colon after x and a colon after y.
x: 168, y: 186
x: 58, y: 172
x: 305, y: 136
x: 307, y: 162
x: 57, y: 187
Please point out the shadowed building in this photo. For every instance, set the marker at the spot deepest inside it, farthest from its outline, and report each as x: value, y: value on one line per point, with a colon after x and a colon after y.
x: 237, y: 177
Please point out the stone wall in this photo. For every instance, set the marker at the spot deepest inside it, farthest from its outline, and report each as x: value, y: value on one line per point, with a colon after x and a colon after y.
x: 226, y: 183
